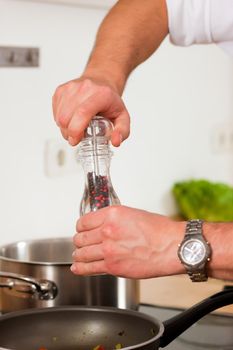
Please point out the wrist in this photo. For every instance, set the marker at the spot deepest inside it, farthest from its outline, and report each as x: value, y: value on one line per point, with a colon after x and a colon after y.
x: 174, y: 231
x: 106, y: 73
x: 180, y: 227
x: 219, y: 235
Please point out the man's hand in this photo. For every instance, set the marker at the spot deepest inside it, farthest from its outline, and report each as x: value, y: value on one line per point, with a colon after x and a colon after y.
x: 129, y: 34
x: 127, y: 242
x: 78, y: 101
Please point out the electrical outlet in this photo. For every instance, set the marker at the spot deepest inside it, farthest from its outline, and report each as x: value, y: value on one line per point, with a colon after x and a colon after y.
x: 59, y: 158
x: 222, y: 139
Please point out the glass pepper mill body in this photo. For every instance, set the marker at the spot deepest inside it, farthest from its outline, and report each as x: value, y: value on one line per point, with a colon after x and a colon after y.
x: 95, y: 155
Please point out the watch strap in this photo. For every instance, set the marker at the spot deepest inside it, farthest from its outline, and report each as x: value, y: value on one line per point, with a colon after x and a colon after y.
x: 195, y: 228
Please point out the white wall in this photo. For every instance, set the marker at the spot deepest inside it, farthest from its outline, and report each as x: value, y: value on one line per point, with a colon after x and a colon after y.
x: 176, y: 99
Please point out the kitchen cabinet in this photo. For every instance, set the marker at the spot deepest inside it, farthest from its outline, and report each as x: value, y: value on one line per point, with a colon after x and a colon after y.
x: 85, y: 3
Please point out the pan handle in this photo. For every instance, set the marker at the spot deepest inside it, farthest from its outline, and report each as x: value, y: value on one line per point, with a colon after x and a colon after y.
x: 179, y: 323
x: 43, y: 289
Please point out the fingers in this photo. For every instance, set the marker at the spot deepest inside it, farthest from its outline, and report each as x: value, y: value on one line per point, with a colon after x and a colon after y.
x: 91, y: 220
x: 92, y: 268
x: 116, y: 138
x: 67, y: 97
x: 77, y: 102
x: 87, y: 238
x: 121, y: 128
x: 92, y: 106
x: 89, y: 254
x: 97, y: 258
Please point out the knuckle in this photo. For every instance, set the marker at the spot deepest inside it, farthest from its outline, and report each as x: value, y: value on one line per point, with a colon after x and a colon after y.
x: 112, y: 267
x: 64, y: 89
x: 105, y: 91
x: 83, y: 239
x: 76, y: 241
x: 74, y: 255
x: 87, y: 83
x: 81, y: 110
x: 63, y: 120
x: 80, y: 240
x: 80, y: 115
x: 107, y: 230
x: 72, y: 84
x: 82, y: 255
x: 78, y: 225
x: 58, y: 92
x: 75, y: 238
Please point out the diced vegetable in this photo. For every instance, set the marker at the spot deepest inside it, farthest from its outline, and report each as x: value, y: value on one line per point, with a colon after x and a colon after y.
x: 98, y: 347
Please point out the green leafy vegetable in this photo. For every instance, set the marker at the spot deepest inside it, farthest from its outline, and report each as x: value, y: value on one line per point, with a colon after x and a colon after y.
x: 202, y: 199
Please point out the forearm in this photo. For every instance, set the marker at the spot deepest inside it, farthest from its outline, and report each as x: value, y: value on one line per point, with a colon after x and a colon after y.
x: 129, y: 34
x: 220, y: 236
x: 135, y: 243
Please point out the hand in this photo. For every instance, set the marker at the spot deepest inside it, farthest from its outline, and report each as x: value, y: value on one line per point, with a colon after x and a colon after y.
x: 127, y: 242
x: 78, y: 101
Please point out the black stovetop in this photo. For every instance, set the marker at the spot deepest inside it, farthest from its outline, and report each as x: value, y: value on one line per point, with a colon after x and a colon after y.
x: 212, y: 332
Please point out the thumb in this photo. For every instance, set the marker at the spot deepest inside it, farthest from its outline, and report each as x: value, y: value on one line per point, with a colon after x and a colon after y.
x: 121, y: 128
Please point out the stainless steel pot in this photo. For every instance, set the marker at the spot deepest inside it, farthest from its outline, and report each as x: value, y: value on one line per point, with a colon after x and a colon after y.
x: 36, y: 273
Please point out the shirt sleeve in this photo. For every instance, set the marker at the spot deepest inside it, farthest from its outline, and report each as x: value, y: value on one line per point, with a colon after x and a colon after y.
x: 200, y: 21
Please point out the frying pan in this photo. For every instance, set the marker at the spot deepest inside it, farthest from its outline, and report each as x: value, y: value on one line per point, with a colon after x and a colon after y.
x: 83, y: 328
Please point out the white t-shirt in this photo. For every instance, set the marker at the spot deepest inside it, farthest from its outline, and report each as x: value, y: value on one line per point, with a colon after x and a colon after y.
x: 201, y: 22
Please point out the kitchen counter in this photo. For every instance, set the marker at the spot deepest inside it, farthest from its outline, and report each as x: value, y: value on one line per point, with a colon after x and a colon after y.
x: 180, y: 292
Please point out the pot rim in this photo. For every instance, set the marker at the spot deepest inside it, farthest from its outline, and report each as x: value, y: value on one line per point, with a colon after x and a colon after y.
x: 35, y: 262
x: 91, y: 308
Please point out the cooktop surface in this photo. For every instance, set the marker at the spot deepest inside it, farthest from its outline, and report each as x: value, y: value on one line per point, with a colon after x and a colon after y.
x: 214, y: 331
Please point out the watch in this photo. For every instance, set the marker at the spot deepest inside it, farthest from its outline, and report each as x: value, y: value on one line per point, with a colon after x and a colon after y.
x: 194, y: 251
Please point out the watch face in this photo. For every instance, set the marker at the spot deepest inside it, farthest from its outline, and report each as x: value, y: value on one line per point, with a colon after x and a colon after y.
x: 193, y: 251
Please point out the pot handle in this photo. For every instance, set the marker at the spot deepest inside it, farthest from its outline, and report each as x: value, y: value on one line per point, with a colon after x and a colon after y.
x: 44, y: 289
x: 179, y: 323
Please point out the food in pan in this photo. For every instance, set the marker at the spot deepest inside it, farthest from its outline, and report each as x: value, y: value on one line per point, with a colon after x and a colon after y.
x: 101, y: 347
x: 97, y: 347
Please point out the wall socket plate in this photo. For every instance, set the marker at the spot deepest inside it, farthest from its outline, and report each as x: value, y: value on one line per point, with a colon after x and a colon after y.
x: 222, y: 138
x: 11, y: 56
x: 60, y: 158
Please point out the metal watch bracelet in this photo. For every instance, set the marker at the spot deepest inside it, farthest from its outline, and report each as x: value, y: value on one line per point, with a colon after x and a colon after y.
x: 193, y: 229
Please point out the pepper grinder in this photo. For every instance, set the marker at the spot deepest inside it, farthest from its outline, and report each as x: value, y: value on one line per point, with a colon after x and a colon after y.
x: 95, y: 154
